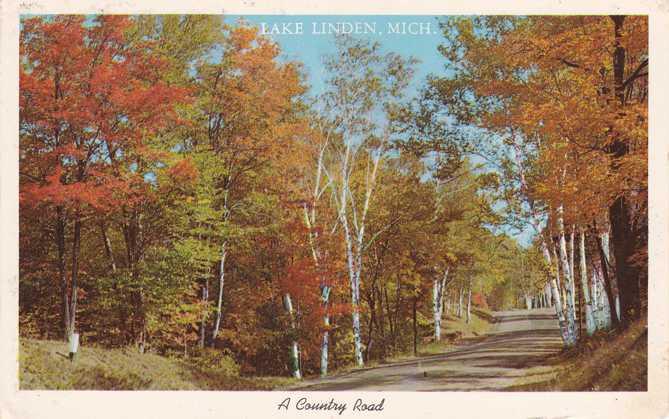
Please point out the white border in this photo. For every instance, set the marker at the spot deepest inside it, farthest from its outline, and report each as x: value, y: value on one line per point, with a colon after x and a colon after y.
x: 99, y: 404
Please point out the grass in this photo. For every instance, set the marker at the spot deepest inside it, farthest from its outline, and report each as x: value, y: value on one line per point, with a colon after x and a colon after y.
x: 453, y: 331
x: 607, y: 361
x: 43, y: 365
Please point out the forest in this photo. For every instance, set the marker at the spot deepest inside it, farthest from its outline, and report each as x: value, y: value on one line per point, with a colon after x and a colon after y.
x: 184, y: 192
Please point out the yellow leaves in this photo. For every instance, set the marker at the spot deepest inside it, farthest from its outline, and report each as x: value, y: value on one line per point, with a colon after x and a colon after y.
x: 550, y: 79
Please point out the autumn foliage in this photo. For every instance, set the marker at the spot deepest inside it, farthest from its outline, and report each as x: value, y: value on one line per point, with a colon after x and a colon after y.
x: 179, y: 182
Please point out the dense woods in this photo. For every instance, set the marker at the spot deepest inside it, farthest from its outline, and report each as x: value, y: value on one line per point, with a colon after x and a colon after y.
x: 184, y: 192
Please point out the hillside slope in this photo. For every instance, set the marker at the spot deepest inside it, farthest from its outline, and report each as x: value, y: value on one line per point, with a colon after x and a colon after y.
x: 43, y: 365
x: 608, y: 361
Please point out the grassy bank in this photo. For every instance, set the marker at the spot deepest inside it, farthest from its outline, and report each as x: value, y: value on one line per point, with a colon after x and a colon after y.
x: 43, y: 365
x: 454, y: 331
x: 608, y: 361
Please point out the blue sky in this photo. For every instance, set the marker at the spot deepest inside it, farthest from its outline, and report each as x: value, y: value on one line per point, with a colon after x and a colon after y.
x: 309, y: 47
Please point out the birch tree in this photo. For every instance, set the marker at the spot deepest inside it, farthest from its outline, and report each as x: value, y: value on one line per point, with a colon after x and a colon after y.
x: 523, y: 72
x: 585, y: 289
x: 438, y: 288
x: 317, y: 187
x: 364, y: 89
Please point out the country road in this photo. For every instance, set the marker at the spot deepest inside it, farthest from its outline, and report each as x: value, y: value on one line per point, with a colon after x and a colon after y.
x: 518, y: 341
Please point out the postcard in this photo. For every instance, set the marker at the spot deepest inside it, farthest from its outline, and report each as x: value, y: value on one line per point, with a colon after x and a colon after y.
x: 235, y: 210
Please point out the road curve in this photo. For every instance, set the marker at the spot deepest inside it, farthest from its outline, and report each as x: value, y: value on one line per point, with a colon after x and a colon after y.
x: 518, y: 340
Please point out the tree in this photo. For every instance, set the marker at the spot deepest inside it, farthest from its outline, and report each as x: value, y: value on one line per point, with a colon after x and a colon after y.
x: 88, y: 104
x: 363, y: 87
x: 515, y: 77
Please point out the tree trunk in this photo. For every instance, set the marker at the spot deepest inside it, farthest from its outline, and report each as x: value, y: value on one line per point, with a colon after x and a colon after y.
x: 357, y: 339
x: 572, y: 268
x: 354, y: 264
x: 415, y: 327
x: 589, y: 319
x: 438, y: 285
x: 469, y: 303
x: 221, y: 283
x: 602, y: 312
x: 324, y: 347
x: 615, y: 290
x: 132, y: 231
x: 568, y: 282
x: 602, y: 244
x: 108, y: 248
x: 552, y: 280
x: 203, y: 321
x: 325, y: 296
x: 76, y: 247
x: 62, y: 273
x: 625, y: 240
x: 547, y: 294
x: 554, y: 289
x: 557, y: 266
x: 436, y: 308
x: 294, y: 348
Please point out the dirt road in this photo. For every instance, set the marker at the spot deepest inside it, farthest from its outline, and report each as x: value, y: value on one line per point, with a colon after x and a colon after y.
x: 519, y: 340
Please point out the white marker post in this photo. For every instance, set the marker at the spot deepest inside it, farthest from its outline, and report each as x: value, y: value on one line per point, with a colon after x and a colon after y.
x: 73, y: 345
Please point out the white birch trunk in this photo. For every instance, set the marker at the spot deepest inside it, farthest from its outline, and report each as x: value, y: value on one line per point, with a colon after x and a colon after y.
x: 355, y: 244
x: 469, y: 303
x: 572, y: 268
x: 294, y: 348
x: 568, y: 281
x: 436, y: 304
x: 547, y: 295
x: 604, y: 238
x: 528, y: 302
x: 310, y: 221
x: 553, y: 280
x: 325, y: 295
x: 438, y: 286
x: 589, y: 318
x: 324, y: 347
x: 553, y: 286
x: 221, y: 283
x: 603, y: 311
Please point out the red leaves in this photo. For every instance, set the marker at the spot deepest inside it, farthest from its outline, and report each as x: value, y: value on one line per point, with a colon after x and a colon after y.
x: 301, y: 280
x: 183, y: 171
x: 96, y: 192
x: 88, y: 105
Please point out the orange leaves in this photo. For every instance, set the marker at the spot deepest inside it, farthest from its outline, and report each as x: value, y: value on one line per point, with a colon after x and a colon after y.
x: 301, y: 280
x: 184, y: 171
x: 88, y: 104
x: 549, y: 80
